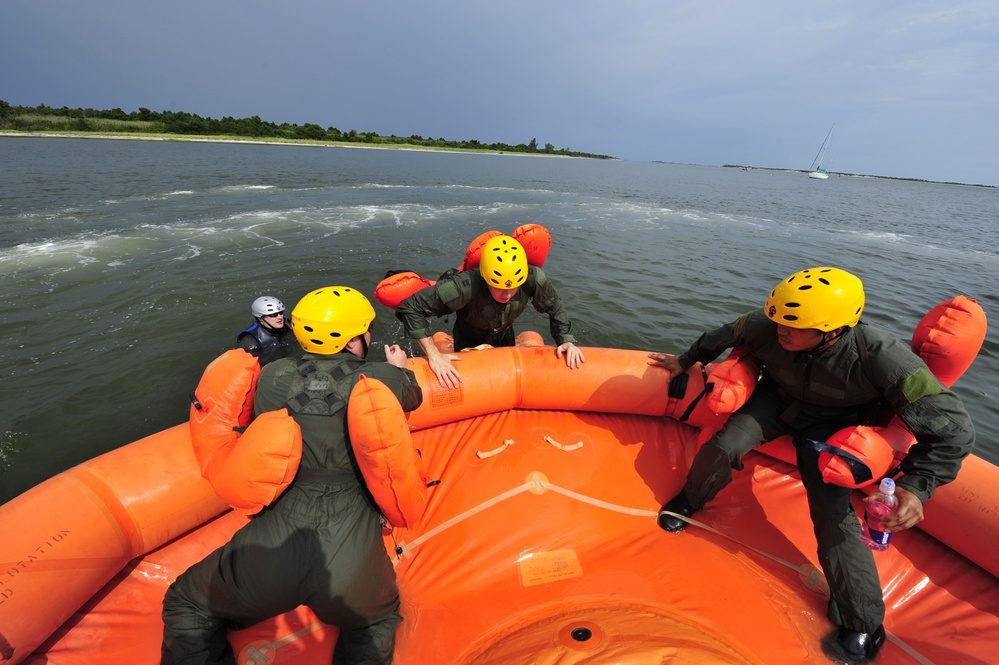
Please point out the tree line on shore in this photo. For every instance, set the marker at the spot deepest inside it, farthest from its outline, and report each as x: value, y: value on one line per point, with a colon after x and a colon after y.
x: 44, y: 118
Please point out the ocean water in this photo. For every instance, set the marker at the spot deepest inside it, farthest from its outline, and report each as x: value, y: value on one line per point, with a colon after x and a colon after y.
x: 127, y: 266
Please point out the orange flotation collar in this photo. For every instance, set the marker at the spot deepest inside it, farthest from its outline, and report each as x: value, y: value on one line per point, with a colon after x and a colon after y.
x: 250, y: 475
x: 398, y: 286
x: 948, y: 339
x: 391, y: 465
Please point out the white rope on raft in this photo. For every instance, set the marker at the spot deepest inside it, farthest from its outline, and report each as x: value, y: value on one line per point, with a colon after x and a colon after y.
x: 495, y: 451
x: 537, y: 483
x: 562, y: 446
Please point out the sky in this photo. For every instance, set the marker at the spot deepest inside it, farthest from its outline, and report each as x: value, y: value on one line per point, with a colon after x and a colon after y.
x: 912, y: 86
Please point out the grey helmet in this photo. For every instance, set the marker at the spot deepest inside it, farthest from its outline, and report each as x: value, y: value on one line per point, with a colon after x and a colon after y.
x: 266, y: 306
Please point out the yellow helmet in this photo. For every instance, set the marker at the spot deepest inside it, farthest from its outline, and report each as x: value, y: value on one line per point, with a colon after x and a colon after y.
x: 504, y: 263
x: 821, y: 298
x: 325, y: 320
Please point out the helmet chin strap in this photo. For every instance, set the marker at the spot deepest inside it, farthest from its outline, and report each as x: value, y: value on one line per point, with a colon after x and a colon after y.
x: 828, y: 338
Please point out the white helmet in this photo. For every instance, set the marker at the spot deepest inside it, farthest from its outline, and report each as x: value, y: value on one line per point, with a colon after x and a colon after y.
x: 266, y: 306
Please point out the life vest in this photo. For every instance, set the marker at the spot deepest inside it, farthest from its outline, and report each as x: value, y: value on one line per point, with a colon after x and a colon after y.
x: 273, y: 345
x: 250, y: 475
x: 398, y: 285
x: 391, y: 465
x: 947, y: 339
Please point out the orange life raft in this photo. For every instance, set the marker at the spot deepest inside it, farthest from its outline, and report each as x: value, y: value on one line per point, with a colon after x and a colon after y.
x: 537, y: 545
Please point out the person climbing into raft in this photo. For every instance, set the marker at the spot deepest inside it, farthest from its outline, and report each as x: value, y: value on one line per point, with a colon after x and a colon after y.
x: 486, y: 302
x: 319, y: 543
x: 268, y: 338
x: 823, y: 370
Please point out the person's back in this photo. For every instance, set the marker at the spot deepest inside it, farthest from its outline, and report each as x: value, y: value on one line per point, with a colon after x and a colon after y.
x: 319, y: 543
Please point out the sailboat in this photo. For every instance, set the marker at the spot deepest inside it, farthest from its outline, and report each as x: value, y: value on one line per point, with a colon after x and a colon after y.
x: 818, y: 170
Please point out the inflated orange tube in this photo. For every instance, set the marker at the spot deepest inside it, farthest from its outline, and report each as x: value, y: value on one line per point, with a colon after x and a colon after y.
x: 494, y: 380
x: 949, y: 337
x: 610, y: 381
x: 64, y: 539
x: 397, y: 287
x: 221, y: 407
x: 259, y: 468
x: 473, y: 255
x: 530, y: 338
x: 536, y: 241
x: 383, y: 448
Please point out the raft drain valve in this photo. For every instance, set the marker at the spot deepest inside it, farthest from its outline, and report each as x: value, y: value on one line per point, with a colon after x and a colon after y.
x: 581, y: 634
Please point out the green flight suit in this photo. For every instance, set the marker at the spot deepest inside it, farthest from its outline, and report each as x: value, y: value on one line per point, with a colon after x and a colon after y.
x: 811, y: 396
x: 319, y: 544
x: 479, y: 319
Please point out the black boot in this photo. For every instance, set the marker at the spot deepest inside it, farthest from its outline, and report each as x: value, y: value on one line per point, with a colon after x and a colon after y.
x: 679, y: 505
x: 860, y: 647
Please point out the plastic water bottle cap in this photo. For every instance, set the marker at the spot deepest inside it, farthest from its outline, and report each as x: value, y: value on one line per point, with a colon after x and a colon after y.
x: 887, y: 485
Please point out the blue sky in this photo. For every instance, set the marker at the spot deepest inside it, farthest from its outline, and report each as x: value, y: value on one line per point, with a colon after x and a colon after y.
x: 913, y: 86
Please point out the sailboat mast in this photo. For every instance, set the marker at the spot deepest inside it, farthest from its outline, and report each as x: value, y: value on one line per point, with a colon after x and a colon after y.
x: 817, y: 163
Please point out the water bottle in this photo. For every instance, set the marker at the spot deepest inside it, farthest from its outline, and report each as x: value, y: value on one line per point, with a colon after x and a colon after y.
x: 880, y: 504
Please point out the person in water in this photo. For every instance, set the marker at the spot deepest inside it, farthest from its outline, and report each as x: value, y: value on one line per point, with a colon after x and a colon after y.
x: 823, y: 370
x: 320, y: 543
x: 486, y: 302
x: 268, y: 338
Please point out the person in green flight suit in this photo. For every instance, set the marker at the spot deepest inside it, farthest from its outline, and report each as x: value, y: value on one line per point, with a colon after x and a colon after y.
x: 486, y: 302
x: 320, y: 543
x: 823, y: 370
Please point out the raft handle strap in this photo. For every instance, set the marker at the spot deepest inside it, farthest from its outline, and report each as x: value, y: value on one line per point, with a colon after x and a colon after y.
x: 196, y: 403
x: 708, y: 387
x: 861, y: 472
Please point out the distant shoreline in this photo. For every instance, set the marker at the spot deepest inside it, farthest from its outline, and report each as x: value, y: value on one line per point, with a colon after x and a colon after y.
x: 855, y: 175
x: 415, y: 148
x: 285, y: 142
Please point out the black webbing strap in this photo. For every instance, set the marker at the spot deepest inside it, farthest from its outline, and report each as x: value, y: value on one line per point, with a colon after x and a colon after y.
x: 679, y: 391
x: 861, y: 472
x: 314, y: 476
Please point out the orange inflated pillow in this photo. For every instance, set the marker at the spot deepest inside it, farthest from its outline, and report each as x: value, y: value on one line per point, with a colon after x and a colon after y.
x: 262, y: 463
x: 856, y: 456
x: 536, y: 241
x: 397, y: 287
x: 734, y: 380
x: 473, y: 255
x: 222, y: 402
x: 949, y: 337
x: 390, y: 464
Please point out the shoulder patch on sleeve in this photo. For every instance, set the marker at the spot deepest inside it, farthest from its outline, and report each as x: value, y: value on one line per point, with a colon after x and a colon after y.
x: 919, y: 384
x: 448, y: 290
